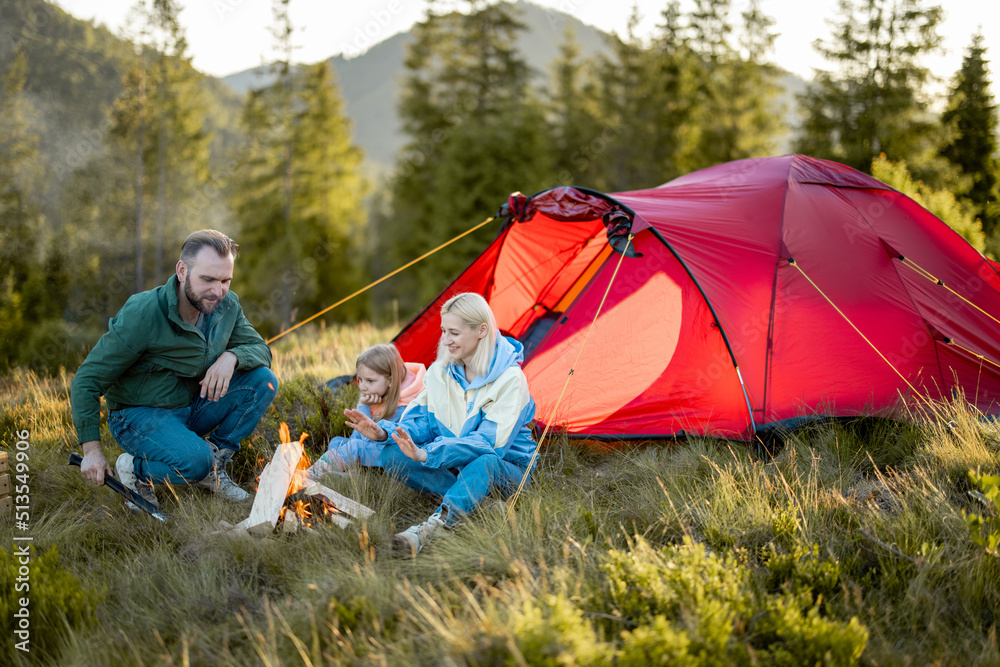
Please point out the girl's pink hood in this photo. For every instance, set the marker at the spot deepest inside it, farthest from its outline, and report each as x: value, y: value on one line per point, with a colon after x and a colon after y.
x: 413, y: 383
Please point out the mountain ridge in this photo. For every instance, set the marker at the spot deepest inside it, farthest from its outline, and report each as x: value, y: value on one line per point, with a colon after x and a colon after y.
x: 370, y: 82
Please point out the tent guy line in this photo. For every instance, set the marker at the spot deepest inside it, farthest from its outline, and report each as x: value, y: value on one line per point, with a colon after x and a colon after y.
x: 927, y: 274
x: 376, y: 282
x: 792, y: 262
x: 569, y: 375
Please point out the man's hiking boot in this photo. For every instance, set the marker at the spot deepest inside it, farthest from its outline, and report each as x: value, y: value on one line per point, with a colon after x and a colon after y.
x: 414, y: 538
x: 217, y: 480
x: 125, y: 469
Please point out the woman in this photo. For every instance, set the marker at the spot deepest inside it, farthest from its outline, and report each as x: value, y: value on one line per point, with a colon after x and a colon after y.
x: 467, y: 432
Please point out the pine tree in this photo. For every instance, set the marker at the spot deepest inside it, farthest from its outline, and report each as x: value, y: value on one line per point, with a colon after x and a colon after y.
x: 97, y: 223
x: 690, y: 98
x: 676, y: 80
x: 300, y: 197
x: 971, y: 117
x: 182, y: 145
x: 640, y: 100
x: 754, y: 85
x: 477, y: 132
x: 736, y: 112
x: 131, y: 115
x: 20, y: 171
x: 263, y: 197
x: 327, y: 194
x: 258, y: 203
x: 159, y: 117
x: 579, y: 137
x: 873, y: 102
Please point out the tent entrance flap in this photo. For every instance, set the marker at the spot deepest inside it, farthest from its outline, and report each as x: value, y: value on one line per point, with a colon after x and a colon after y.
x: 582, y: 281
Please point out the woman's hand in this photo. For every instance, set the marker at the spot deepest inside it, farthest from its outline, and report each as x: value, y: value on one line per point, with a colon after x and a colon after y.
x: 371, y: 399
x: 408, y: 447
x: 364, y: 425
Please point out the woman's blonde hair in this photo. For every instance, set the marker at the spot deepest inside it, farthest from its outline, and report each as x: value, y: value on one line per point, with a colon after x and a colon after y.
x: 474, y: 311
x: 385, y: 360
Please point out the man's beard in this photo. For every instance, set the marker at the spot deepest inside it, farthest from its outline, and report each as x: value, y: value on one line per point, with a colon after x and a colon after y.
x: 202, y: 305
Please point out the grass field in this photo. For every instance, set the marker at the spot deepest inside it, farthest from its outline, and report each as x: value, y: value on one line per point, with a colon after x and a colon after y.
x: 845, y: 544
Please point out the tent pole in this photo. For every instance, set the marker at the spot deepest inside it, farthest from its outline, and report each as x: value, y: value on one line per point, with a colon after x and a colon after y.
x: 753, y: 423
x: 725, y: 338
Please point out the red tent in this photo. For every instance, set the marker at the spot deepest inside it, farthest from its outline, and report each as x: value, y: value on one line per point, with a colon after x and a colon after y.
x: 752, y: 292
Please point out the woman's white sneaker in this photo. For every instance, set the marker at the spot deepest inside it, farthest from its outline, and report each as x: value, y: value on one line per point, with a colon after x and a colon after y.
x: 415, y: 538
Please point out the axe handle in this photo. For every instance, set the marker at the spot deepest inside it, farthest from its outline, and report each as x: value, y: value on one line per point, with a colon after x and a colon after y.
x: 115, y: 485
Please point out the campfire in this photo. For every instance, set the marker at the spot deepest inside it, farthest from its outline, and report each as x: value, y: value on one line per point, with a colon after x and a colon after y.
x: 288, y: 499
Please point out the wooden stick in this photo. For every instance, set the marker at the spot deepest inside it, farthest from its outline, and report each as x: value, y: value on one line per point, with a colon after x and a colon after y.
x: 342, y: 503
x: 272, y: 489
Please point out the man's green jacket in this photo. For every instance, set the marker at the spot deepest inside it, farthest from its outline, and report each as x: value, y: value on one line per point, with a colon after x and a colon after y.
x: 151, y: 357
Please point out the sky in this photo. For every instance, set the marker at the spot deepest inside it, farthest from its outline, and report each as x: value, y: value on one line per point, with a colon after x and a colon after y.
x: 228, y: 36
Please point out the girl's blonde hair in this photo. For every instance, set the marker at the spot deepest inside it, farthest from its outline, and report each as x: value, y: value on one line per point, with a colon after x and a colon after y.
x: 474, y: 311
x: 385, y: 360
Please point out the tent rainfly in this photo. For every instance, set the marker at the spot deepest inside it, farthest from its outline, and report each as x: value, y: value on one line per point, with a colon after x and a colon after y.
x: 751, y: 293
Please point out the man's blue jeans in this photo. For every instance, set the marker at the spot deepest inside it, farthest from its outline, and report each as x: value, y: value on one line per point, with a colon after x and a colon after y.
x: 460, y: 493
x: 168, y: 445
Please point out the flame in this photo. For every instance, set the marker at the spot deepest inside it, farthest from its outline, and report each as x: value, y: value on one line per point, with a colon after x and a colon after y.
x: 302, y: 510
x: 300, y: 479
x: 311, y: 510
x: 308, y: 509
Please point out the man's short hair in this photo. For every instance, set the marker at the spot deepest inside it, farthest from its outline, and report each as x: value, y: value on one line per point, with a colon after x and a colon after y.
x: 193, y: 244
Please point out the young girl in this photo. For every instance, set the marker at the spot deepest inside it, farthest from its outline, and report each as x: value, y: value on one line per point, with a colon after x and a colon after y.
x: 387, y: 386
x: 468, y: 432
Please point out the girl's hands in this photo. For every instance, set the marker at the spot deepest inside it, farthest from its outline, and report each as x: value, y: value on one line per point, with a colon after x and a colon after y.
x: 371, y: 399
x: 364, y: 425
x: 408, y: 447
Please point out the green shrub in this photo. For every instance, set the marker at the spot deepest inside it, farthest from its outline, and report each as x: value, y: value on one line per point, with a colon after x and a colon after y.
x: 658, y: 643
x: 939, y: 202
x: 554, y: 633
x: 358, y: 614
x: 985, y: 531
x: 691, y: 606
x: 792, y: 632
x: 646, y: 582
x: 706, y: 595
x: 785, y: 525
x: 802, y: 571
x: 56, y: 602
x: 308, y: 407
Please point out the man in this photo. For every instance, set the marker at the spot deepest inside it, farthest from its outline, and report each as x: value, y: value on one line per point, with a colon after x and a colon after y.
x: 178, y: 362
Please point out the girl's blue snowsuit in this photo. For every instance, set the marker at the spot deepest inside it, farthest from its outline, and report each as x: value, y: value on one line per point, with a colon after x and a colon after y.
x: 343, y: 452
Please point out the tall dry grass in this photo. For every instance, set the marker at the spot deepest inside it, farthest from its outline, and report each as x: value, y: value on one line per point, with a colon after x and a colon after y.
x: 847, y: 543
